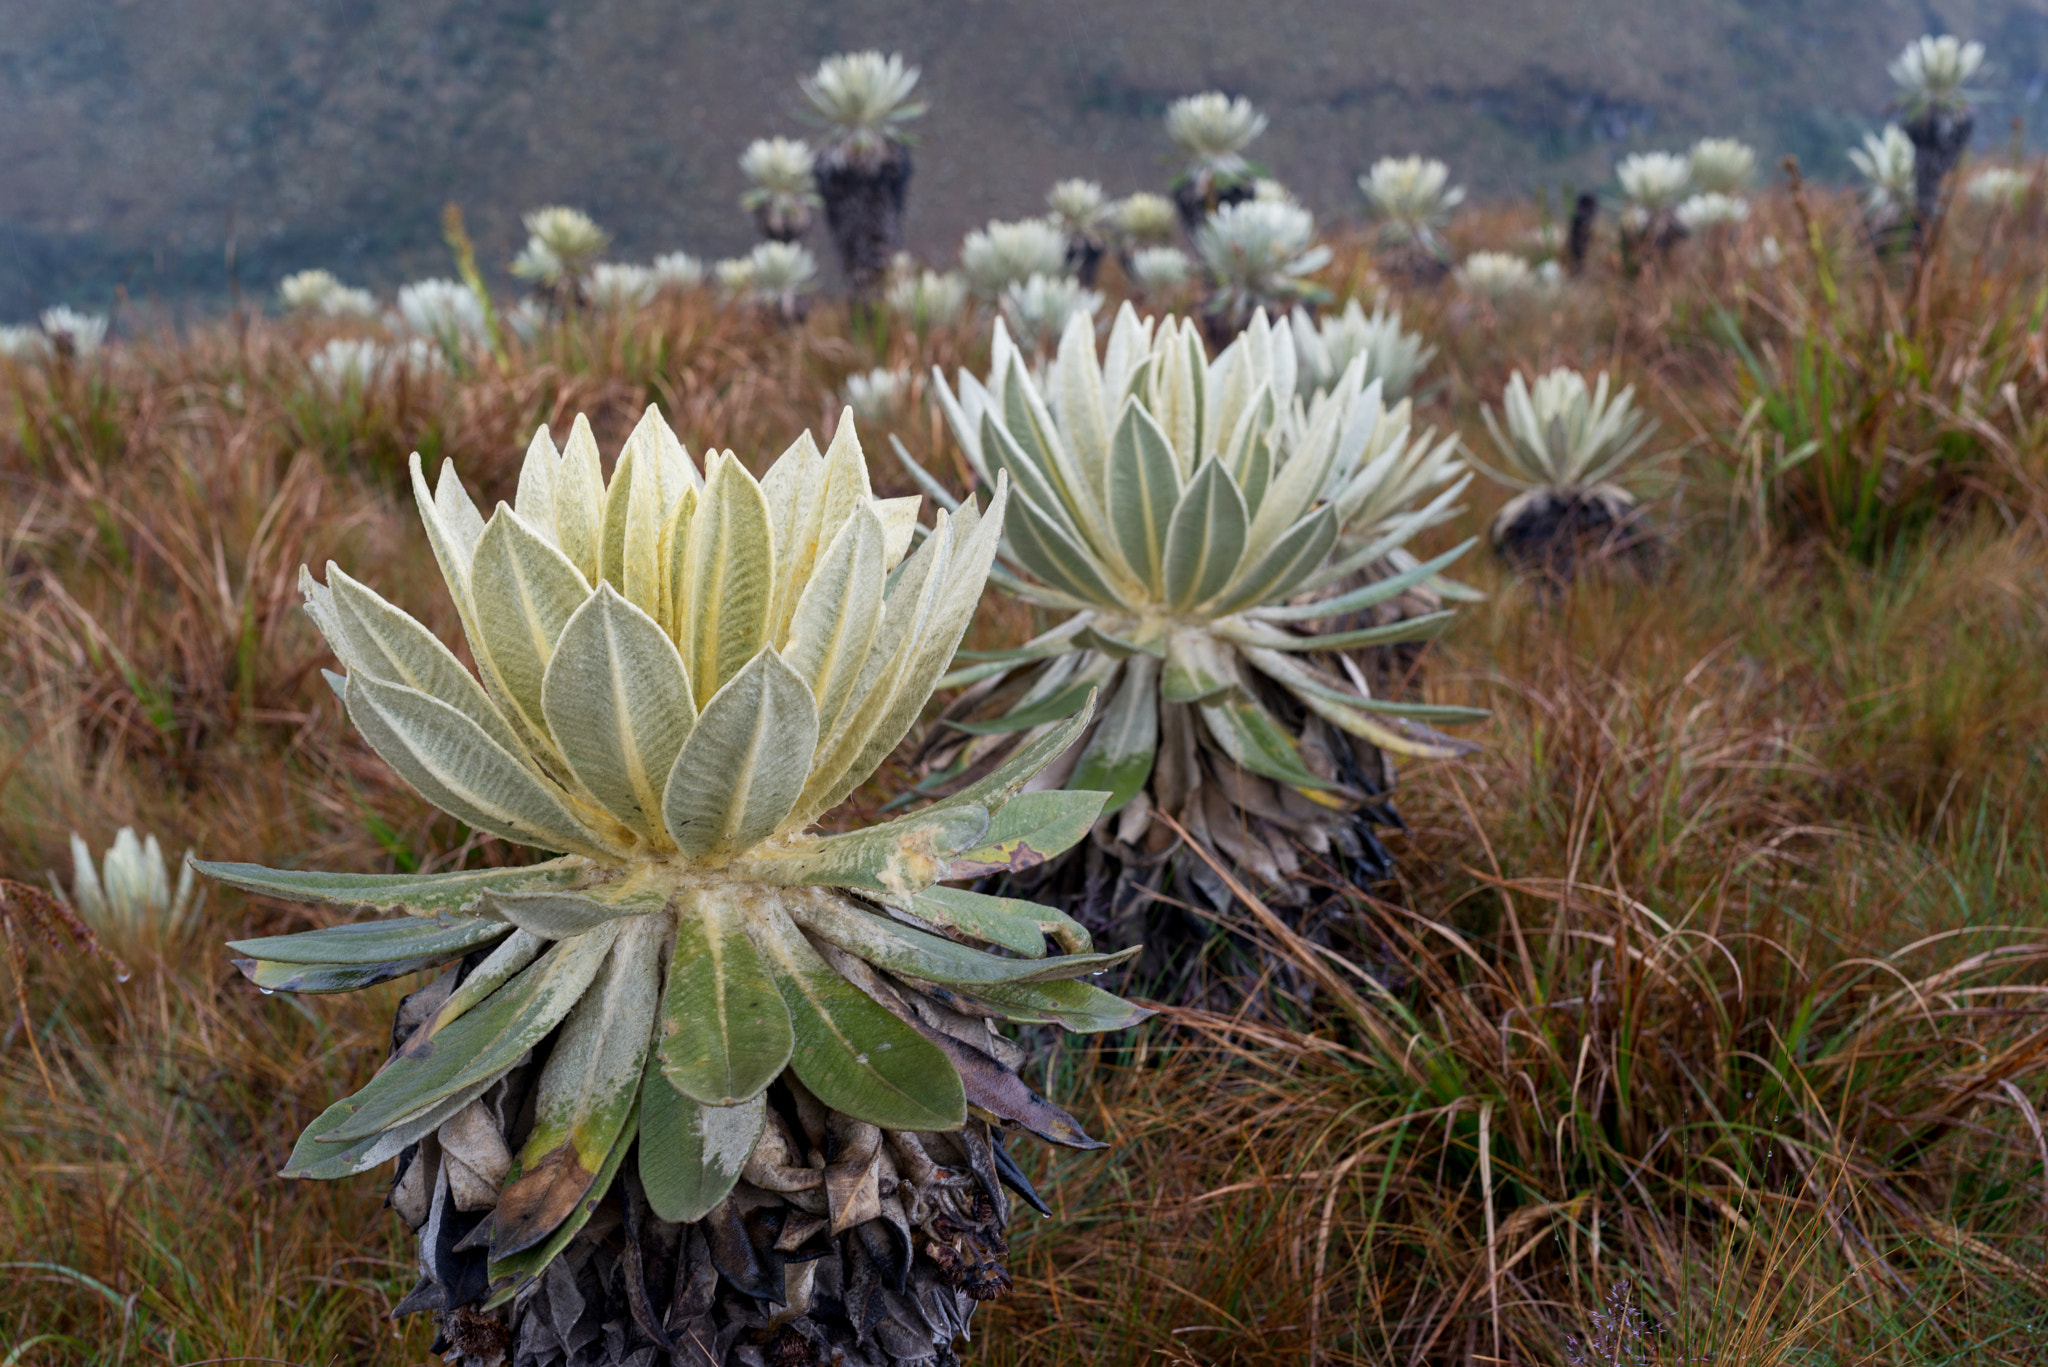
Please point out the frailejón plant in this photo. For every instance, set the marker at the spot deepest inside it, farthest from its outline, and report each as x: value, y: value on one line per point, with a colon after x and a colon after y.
x: 129, y: 899
x: 862, y: 100
x: 1565, y: 445
x: 1258, y: 255
x: 1412, y: 198
x: 782, y: 188
x: 1194, y: 516
x: 1212, y: 130
x: 678, y: 673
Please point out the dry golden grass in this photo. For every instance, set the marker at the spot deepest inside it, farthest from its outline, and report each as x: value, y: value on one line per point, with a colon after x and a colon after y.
x: 1716, y: 975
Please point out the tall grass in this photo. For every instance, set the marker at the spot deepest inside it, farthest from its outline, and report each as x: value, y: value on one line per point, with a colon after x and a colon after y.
x: 1704, y: 1013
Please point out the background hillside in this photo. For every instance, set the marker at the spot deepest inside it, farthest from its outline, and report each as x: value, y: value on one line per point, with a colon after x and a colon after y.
x: 142, y: 136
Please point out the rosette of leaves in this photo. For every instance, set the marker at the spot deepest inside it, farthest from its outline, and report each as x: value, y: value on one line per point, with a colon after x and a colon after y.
x: 782, y: 188
x: 706, y: 1077
x: 1258, y: 256
x: 1194, y: 517
x: 1212, y: 130
x: 1078, y: 207
x: 1933, y: 75
x: 1412, y: 198
x: 862, y: 100
x: 1565, y: 445
x: 561, y: 246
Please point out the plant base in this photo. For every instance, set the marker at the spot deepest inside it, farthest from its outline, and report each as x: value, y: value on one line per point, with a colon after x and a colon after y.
x: 763, y: 1280
x: 1554, y: 533
x: 864, y: 211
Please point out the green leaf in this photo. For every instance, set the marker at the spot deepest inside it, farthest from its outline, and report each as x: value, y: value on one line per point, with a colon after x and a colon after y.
x: 1298, y: 553
x: 729, y: 577
x: 1144, y: 488
x: 565, y: 915
x: 1304, y: 683
x: 744, y: 766
x: 900, y: 857
x: 1080, y: 1007
x: 1199, y: 668
x: 480, y: 1046
x: 1007, y: 921
x: 838, y: 614
x: 995, y: 1090
x: 349, y: 1159
x: 1249, y: 735
x: 588, y: 1089
x: 452, y: 763
x: 912, y: 953
x: 725, y: 1033
x: 1052, y: 554
x: 618, y: 705
x: 1030, y: 829
x: 525, y: 592
x: 373, y: 942
x: 1007, y: 779
x: 1427, y: 627
x: 1084, y: 682
x: 300, y: 977
x: 691, y: 1155
x: 851, y: 1053
x: 508, y: 1276
x: 1367, y: 596
x: 1206, y: 538
x: 383, y: 641
x: 421, y: 894
x: 1119, y: 756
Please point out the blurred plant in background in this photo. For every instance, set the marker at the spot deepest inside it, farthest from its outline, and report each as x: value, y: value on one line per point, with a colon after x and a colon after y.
x: 862, y: 100
x: 782, y: 189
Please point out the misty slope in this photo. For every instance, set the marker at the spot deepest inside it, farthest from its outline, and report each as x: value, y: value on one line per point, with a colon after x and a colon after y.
x: 329, y: 132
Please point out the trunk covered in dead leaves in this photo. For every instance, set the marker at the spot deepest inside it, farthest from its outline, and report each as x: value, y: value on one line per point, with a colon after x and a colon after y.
x: 841, y: 1244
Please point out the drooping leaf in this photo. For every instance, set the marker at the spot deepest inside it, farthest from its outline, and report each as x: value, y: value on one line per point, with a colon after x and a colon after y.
x: 1249, y: 735
x: 346, y: 1160
x: 1119, y: 756
x: 587, y: 1090
x: 851, y: 1053
x: 725, y: 1033
x: 691, y: 1154
x: 301, y: 977
x: 996, y: 1091
x: 482, y: 1044
x: 373, y: 942
x: 618, y: 705
x: 509, y: 1276
x: 451, y: 763
x: 429, y: 894
x: 1426, y: 627
x: 1007, y: 921
x: 912, y: 953
x: 1367, y: 596
x: 743, y: 767
x: 565, y: 915
x: 1077, y: 1006
x: 1199, y: 668
x: 1030, y: 829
